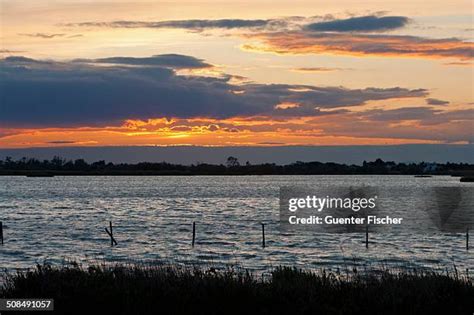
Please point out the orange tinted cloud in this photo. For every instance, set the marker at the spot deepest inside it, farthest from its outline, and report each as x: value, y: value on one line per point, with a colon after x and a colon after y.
x: 300, y: 42
x: 397, y: 126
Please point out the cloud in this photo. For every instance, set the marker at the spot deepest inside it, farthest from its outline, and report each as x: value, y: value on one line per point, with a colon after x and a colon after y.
x: 45, y: 93
x: 318, y: 34
x: 399, y: 114
x: 304, y: 42
x: 456, y: 116
x: 182, y: 24
x: 404, y: 124
x: 61, y: 142
x: 459, y: 63
x: 8, y: 51
x: 369, y: 23
x: 315, y: 69
x: 424, y: 115
x: 435, y: 101
x: 20, y: 60
x: 271, y: 143
x: 174, y: 61
x: 42, y: 35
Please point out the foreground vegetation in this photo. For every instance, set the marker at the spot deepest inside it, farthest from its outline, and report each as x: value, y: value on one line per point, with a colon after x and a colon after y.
x: 59, y: 166
x: 143, y: 289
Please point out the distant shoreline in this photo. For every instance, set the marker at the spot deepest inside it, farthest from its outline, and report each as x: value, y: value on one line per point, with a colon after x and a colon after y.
x: 66, y: 174
x: 79, y: 167
x: 187, y: 155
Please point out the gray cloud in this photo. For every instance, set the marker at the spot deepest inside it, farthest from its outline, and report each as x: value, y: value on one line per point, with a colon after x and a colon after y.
x: 400, y: 114
x: 183, y: 24
x: 316, y: 69
x: 61, y: 142
x: 457, y: 116
x: 426, y: 116
x: 174, y: 61
x: 23, y: 60
x: 435, y: 101
x: 8, y: 51
x: 426, y: 123
x: 37, y: 93
x: 370, y: 23
x: 42, y: 35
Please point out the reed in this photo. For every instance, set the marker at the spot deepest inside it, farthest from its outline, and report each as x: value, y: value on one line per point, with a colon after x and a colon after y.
x: 147, y: 289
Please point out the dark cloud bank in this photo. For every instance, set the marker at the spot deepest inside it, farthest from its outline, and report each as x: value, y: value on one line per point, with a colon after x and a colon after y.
x: 47, y: 93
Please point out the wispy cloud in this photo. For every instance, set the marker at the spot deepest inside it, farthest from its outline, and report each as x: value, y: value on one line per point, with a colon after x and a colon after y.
x: 42, y: 35
x: 459, y: 63
x: 183, y: 24
x: 316, y: 69
x: 9, y: 51
x: 61, y: 142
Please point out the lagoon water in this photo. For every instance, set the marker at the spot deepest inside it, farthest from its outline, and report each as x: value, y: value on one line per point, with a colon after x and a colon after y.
x: 52, y: 220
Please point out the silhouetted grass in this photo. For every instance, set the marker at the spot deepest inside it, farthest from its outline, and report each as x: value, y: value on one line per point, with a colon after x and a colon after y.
x: 143, y: 289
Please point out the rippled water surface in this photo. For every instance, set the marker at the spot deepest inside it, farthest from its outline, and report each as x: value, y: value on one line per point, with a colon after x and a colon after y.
x: 63, y: 218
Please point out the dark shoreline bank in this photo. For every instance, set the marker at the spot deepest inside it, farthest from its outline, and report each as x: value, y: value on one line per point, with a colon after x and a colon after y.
x: 62, y: 167
x: 143, y: 289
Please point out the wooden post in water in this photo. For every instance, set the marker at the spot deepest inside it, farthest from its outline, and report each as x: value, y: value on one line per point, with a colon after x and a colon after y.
x: 263, y: 235
x: 467, y: 239
x: 1, y: 232
x: 366, y: 236
x: 111, y: 234
x: 194, y: 232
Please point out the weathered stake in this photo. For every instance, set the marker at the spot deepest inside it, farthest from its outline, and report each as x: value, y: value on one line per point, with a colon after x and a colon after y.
x: 111, y: 234
x: 467, y: 239
x: 263, y: 235
x: 366, y: 236
x: 194, y: 232
x: 1, y: 232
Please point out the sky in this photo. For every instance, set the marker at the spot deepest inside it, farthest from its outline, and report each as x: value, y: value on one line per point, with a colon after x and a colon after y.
x: 235, y: 73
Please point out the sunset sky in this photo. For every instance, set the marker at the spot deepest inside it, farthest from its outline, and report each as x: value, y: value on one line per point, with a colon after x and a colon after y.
x: 233, y: 73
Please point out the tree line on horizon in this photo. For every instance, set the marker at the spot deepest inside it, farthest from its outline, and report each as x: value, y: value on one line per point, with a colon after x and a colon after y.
x: 232, y: 166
